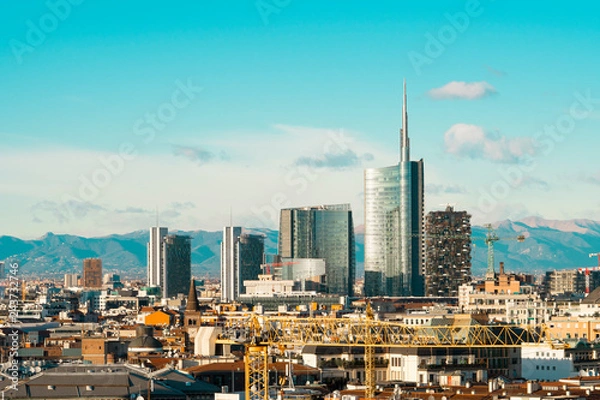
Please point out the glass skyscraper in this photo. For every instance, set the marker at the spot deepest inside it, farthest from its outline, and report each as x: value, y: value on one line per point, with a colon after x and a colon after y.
x: 325, y: 232
x: 177, y: 264
x: 394, y: 211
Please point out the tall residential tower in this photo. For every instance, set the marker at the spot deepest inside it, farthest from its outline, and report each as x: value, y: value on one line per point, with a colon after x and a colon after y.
x: 92, y: 273
x: 394, y: 214
x: 448, y: 252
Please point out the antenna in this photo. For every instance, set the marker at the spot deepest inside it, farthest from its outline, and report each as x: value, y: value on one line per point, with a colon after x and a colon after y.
x: 404, y: 141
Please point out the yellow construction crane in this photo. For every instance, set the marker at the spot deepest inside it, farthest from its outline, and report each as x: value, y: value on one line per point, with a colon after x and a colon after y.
x: 266, y: 332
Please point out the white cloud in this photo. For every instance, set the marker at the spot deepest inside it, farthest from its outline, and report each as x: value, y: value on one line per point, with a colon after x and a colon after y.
x: 199, y: 155
x: 259, y: 178
x: 463, y: 90
x: 439, y: 189
x: 471, y: 141
x: 592, y: 178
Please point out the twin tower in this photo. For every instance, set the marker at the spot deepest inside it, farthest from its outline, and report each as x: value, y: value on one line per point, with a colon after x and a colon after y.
x: 394, y: 224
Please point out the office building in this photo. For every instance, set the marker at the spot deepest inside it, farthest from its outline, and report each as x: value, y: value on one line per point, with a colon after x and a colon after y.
x: 448, y: 252
x: 229, y: 262
x: 323, y: 232
x: 251, y: 250
x: 169, y: 262
x: 177, y: 264
x: 155, y: 255
x: 92, y: 273
x: 241, y: 257
x: 394, y: 216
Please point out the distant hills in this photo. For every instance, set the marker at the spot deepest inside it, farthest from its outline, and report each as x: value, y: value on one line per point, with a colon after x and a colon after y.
x: 549, y: 245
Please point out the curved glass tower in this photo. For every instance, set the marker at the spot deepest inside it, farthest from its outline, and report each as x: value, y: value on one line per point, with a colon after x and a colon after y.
x: 394, y: 210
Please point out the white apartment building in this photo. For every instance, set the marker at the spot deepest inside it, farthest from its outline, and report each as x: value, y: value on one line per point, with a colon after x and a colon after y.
x: 524, y: 308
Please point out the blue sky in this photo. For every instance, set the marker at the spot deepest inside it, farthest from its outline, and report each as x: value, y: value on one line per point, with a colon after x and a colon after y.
x: 275, y: 102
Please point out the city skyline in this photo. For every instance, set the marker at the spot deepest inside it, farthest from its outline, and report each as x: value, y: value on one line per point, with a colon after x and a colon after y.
x: 290, y: 106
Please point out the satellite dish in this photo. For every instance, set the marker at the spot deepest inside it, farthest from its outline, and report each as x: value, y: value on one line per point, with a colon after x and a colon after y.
x: 140, y: 398
x: 38, y: 369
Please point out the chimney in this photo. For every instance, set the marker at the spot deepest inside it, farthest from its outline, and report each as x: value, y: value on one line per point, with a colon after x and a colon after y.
x: 501, y: 267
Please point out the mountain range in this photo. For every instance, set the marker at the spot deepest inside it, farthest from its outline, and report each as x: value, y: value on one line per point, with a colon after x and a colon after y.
x: 549, y: 244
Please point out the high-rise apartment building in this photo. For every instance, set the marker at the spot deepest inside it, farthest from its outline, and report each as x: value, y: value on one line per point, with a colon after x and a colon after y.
x: 177, y: 264
x: 394, y: 215
x: 241, y: 256
x: 325, y: 232
x: 448, y: 251
x: 155, y: 255
x: 71, y: 280
x: 92, y: 273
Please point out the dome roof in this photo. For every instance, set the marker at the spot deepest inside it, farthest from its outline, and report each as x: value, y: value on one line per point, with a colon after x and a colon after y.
x: 144, y: 342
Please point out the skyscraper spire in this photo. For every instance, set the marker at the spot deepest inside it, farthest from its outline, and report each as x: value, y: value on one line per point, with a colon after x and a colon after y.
x: 404, y: 141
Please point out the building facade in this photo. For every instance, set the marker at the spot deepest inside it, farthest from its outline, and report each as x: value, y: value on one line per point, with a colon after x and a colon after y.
x: 322, y: 232
x: 448, y: 252
x: 394, y: 215
x: 92, y: 273
x: 155, y: 255
x: 567, y: 281
x: 177, y: 265
x: 241, y: 257
x: 229, y: 262
x: 71, y: 280
x: 251, y: 250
